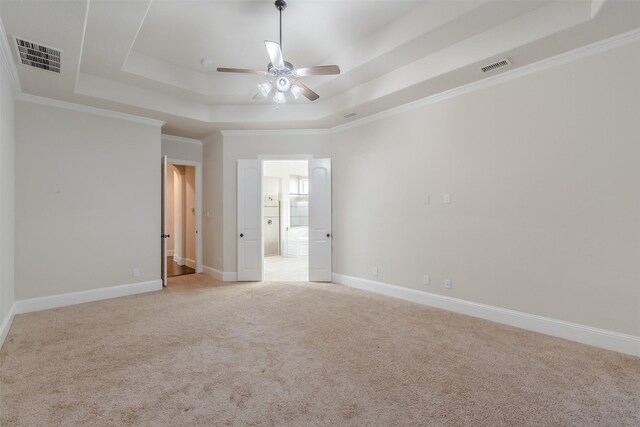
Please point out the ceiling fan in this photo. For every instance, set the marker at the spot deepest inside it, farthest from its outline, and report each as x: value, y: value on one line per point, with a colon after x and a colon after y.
x: 284, y: 77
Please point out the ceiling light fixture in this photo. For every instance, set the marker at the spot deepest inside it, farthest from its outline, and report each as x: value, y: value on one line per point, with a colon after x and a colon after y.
x: 284, y: 76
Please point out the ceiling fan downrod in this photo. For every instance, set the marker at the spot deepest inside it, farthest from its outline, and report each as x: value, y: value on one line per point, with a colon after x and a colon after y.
x: 281, y: 5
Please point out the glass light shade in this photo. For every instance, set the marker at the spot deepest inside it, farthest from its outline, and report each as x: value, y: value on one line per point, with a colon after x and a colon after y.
x: 296, y: 91
x: 265, y: 88
x: 279, y: 98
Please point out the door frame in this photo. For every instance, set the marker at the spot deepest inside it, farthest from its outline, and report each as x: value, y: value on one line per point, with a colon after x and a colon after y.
x: 198, y: 168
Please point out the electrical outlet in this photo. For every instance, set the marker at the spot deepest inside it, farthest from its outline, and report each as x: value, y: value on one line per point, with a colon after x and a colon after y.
x: 426, y: 280
x: 375, y: 271
x: 447, y: 283
x: 447, y: 198
x: 136, y: 272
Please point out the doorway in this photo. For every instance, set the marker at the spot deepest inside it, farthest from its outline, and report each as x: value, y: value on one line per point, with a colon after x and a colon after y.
x: 181, y: 224
x: 181, y: 242
x: 285, y: 185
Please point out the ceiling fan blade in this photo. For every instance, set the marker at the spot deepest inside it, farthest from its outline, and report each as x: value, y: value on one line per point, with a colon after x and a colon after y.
x: 320, y: 70
x: 311, y: 95
x: 241, y: 70
x: 275, y: 54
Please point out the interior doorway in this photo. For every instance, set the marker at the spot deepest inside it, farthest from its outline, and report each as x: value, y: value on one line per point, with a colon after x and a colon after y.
x: 181, y: 220
x: 285, y: 185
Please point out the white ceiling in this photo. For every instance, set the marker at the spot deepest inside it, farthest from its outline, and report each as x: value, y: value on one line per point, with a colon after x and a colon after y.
x: 143, y: 57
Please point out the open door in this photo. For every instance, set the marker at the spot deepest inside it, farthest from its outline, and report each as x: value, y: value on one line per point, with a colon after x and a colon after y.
x: 163, y: 222
x: 249, y: 233
x: 320, y: 220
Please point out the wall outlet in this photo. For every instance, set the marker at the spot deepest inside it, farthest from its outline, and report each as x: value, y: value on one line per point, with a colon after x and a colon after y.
x: 447, y: 198
x: 447, y: 283
x: 375, y: 271
x: 426, y: 280
x: 135, y: 272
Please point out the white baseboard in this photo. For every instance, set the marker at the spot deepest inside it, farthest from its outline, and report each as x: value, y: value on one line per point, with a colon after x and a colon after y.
x: 170, y: 252
x: 178, y: 260
x: 189, y: 262
x: 62, y: 300
x: 223, y: 276
x: 610, y: 340
x: 6, y: 325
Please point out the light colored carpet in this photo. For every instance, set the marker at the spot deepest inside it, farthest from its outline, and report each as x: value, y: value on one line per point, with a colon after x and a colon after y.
x: 204, y: 353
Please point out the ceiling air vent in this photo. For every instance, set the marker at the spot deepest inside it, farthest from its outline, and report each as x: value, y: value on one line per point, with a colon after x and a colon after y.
x: 39, y: 56
x: 503, y: 63
x: 348, y: 116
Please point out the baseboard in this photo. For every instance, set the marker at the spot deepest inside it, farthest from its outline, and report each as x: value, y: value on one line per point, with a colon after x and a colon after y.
x: 62, y: 300
x: 189, y: 262
x: 223, y: 276
x: 170, y: 252
x: 178, y: 260
x: 610, y: 340
x: 6, y: 325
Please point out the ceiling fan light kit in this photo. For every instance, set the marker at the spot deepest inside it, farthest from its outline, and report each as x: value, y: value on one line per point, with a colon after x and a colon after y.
x: 283, y: 75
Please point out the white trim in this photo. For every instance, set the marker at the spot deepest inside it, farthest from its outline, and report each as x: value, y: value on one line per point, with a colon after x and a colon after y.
x: 198, y: 167
x: 609, y: 340
x: 223, y: 276
x: 285, y: 157
x: 560, y: 59
x: 170, y: 252
x: 72, y: 298
x: 6, y: 324
x: 178, y: 259
x: 6, y: 58
x: 50, y: 102
x: 190, y: 263
x: 172, y: 138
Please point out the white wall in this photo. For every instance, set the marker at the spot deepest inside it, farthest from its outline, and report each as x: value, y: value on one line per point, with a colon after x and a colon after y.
x: 7, y: 193
x: 544, y: 175
x: 81, y: 225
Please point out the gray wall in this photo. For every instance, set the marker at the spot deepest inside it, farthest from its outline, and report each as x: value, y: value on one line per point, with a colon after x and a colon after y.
x: 7, y: 193
x: 181, y: 150
x: 544, y: 176
x: 87, y: 201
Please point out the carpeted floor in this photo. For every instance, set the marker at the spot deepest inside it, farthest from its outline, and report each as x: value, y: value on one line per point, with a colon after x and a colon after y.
x: 202, y: 353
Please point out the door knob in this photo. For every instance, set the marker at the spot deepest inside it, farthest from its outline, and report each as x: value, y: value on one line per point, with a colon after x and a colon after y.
x: 328, y: 235
x: 241, y: 235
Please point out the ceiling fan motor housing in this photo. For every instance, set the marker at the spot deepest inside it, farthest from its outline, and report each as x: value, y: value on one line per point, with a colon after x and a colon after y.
x: 281, y: 5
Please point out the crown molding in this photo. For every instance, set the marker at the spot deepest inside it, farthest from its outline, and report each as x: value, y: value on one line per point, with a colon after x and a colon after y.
x: 50, y: 102
x: 544, y: 64
x: 180, y: 139
x: 275, y: 132
x: 7, y: 62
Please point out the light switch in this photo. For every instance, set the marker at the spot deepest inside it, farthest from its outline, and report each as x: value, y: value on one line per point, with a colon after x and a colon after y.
x: 447, y: 198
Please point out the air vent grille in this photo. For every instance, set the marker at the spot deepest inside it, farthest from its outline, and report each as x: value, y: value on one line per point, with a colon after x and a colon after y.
x: 347, y: 116
x: 496, y: 65
x: 39, y: 56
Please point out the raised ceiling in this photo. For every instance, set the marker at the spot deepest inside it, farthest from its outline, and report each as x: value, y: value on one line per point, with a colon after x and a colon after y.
x: 143, y: 57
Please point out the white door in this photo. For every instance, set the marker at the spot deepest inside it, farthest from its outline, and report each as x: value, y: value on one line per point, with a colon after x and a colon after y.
x: 163, y: 221
x: 249, y: 234
x: 320, y: 220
